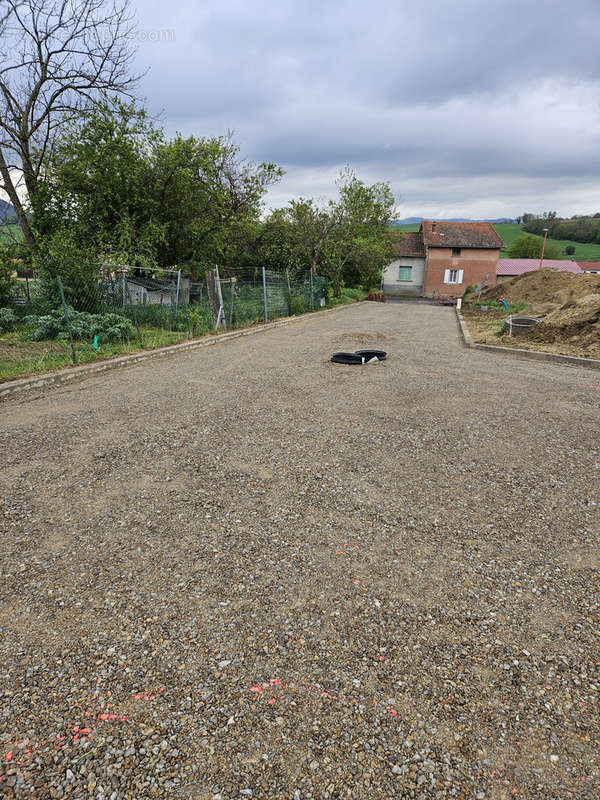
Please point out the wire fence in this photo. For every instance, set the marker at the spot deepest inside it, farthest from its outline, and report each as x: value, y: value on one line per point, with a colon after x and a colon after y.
x: 121, y: 308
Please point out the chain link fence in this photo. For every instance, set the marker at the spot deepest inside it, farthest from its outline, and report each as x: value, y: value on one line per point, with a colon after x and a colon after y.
x: 80, y: 317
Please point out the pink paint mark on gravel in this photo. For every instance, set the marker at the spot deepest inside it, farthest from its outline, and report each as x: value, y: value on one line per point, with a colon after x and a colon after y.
x: 313, y: 690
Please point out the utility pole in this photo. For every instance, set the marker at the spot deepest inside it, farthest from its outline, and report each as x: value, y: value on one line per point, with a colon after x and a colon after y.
x: 543, y: 247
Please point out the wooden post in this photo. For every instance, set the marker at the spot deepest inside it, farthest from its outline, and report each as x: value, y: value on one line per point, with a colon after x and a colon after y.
x: 212, y: 297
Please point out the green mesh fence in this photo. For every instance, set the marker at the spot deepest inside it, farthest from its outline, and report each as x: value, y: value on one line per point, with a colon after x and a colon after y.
x: 78, y: 318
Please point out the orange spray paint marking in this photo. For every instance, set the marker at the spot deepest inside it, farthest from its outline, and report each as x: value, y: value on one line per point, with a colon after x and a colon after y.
x: 257, y: 689
x: 271, y: 701
x: 356, y: 581
x: 9, y: 755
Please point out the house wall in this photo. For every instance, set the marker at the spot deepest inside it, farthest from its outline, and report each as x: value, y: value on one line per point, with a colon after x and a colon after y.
x: 392, y: 286
x: 474, y: 262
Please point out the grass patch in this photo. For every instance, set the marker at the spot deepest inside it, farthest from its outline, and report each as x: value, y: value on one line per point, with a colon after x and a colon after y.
x: 350, y: 294
x: 509, y: 232
x: 513, y: 308
x: 19, y: 357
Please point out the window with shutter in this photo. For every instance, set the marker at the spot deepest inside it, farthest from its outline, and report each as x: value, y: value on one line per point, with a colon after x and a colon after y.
x: 404, y: 273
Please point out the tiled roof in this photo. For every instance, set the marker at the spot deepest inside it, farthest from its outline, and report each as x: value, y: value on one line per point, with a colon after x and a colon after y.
x: 460, y: 234
x: 411, y: 244
x: 595, y: 265
x: 519, y: 266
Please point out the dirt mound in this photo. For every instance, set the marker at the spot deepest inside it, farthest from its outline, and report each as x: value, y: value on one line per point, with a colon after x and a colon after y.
x: 584, y: 336
x: 586, y: 309
x: 545, y: 286
x: 567, y: 303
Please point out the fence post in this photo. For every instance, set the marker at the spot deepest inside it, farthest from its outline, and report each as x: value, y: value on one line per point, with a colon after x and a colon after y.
x: 67, y: 320
x: 135, y: 322
x: 220, y: 296
x: 312, y: 295
x: 123, y: 285
x: 264, y: 277
x: 177, y: 291
x: 212, y: 297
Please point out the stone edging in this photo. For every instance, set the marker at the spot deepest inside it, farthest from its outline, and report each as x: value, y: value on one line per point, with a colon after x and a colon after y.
x: 533, y: 355
x: 11, y: 388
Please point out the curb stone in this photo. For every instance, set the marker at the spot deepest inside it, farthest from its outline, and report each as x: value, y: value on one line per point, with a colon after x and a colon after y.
x: 11, y: 388
x: 532, y: 355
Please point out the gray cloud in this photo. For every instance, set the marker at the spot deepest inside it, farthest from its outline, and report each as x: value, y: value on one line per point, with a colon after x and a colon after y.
x: 459, y: 105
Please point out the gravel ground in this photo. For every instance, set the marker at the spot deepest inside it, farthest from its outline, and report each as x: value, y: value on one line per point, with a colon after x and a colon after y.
x: 247, y: 572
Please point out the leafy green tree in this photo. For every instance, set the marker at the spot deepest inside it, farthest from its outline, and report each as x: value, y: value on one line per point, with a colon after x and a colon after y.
x: 115, y: 187
x: 95, y: 186
x: 360, y: 237
x: 530, y: 246
x: 347, y: 239
x: 8, y: 282
x: 208, y: 198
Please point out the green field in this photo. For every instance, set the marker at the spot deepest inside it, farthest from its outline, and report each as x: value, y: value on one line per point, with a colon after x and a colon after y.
x: 509, y: 232
x: 10, y: 232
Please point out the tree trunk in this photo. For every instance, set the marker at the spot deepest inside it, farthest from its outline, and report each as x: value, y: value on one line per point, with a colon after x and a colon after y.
x: 10, y: 190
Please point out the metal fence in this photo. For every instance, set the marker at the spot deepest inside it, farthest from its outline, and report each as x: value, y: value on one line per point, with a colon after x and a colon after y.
x: 120, y: 308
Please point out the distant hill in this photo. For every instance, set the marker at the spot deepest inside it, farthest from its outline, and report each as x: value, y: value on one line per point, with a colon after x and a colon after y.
x: 417, y: 220
x: 6, y: 210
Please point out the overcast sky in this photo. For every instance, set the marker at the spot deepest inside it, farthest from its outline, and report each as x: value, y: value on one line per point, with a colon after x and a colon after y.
x: 477, y: 108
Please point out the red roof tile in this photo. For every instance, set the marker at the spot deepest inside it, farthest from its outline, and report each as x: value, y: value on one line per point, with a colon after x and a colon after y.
x: 411, y: 244
x: 460, y: 234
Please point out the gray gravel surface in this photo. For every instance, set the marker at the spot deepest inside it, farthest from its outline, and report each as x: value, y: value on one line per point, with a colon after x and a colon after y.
x: 247, y: 572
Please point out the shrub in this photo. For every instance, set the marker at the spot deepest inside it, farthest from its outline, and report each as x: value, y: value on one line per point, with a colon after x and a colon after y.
x: 7, y: 320
x: 8, y: 283
x: 108, y: 327
x: 297, y: 303
x: 570, y: 249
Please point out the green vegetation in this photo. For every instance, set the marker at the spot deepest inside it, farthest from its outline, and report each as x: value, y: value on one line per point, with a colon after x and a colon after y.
x: 513, y: 308
x: 510, y: 232
x: 108, y: 327
x: 106, y: 194
x: 20, y: 357
x: 348, y: 295
x: 528, y: 246
x: 578, y: 229
x: 10, y: 232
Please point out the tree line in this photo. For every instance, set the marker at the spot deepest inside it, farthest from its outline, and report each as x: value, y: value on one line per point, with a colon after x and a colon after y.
x: 584, y: 229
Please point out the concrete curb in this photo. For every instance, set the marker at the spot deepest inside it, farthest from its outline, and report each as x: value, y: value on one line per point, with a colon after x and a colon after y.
x: 11, y: 388
x: 532, y: 355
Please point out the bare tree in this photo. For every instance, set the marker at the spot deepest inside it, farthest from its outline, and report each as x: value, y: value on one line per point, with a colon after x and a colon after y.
x: 56, y: 57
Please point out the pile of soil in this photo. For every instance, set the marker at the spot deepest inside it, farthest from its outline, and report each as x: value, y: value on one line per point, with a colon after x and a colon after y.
x: 568, y: 305
x: 586, y: 309
x: 544, y: 286
x: 578, y: 338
